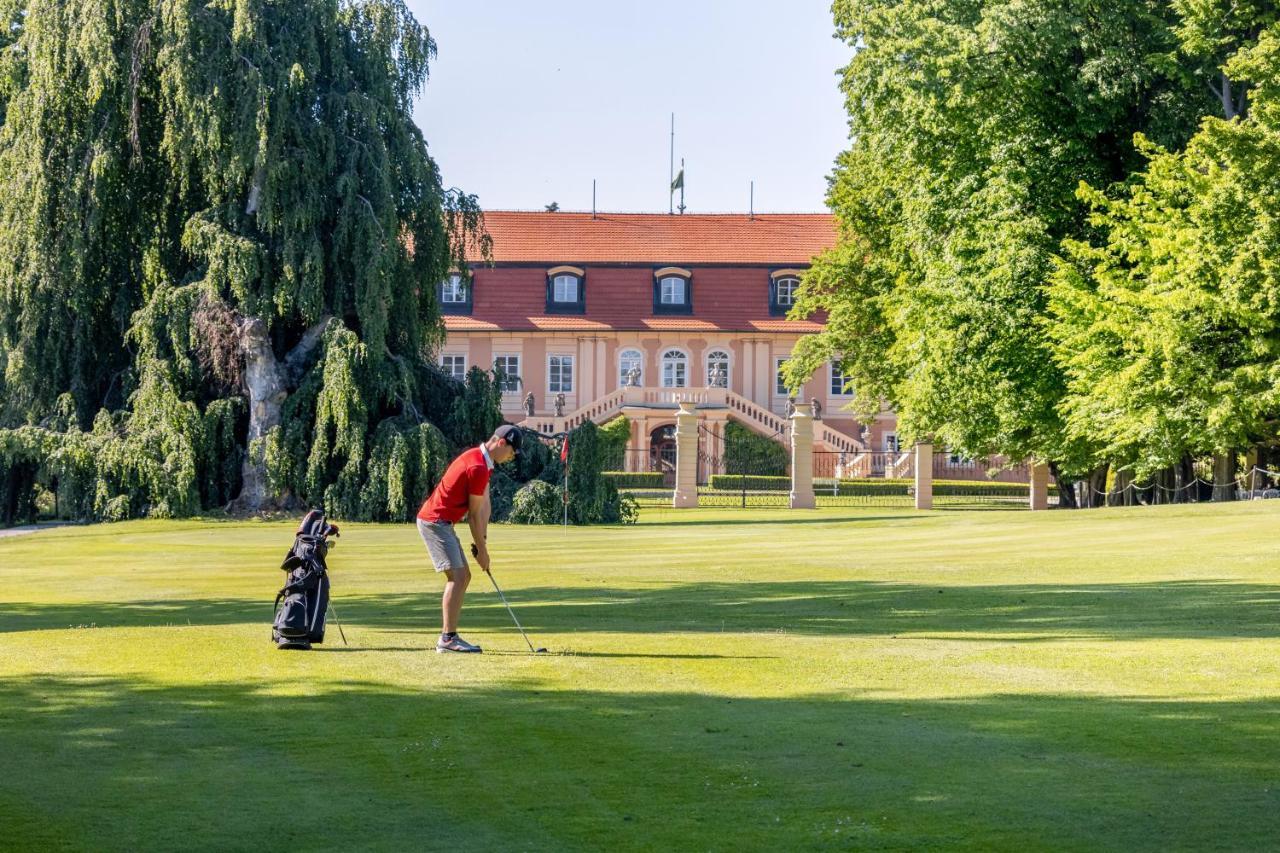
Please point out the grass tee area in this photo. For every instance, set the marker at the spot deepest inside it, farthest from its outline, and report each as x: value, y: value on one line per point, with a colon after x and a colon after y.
x: 724, y: 679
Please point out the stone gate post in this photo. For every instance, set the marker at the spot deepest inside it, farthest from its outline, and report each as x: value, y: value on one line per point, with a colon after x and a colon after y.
x: 802, y: 457
x: 686, y: 493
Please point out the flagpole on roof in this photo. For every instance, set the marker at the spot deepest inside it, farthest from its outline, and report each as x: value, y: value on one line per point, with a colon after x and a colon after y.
x: 671, y: 170
x: 681, y: 208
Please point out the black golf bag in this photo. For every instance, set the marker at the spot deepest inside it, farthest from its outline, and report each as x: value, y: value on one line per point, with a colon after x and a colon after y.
x: 302, y: 604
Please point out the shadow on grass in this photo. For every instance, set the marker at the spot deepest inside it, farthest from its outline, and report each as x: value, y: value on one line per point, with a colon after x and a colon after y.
x: 106, y: 763
x: 1023, y: 612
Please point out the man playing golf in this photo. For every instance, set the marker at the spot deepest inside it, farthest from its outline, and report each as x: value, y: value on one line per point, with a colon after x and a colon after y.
x: 463, y: 491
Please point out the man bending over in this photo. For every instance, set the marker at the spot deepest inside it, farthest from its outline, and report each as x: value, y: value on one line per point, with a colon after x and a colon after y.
x: 463, y: 491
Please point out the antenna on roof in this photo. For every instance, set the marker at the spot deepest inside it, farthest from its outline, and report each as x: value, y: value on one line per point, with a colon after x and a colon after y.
x: 593, y: 198
x: 752, y: 208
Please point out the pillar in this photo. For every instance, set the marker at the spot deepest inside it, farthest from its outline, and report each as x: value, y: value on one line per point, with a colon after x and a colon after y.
x: 924, y: 476
x: 1039, y: 485
x: 686, y: 493
x: 802, y: 457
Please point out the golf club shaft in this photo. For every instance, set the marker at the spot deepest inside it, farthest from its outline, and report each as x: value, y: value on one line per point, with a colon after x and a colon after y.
x: 494, y: 581
x: 338, y: 622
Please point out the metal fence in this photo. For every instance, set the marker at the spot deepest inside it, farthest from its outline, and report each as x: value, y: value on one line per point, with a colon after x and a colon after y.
x: 747, y: 473
x: 647, y: 474
x: 866, y: 478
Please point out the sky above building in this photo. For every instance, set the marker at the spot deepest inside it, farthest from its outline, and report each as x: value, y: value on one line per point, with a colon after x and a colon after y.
x: 527, y: 103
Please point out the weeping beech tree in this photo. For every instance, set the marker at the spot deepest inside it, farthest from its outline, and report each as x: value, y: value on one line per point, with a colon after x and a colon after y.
x: 223, y: 227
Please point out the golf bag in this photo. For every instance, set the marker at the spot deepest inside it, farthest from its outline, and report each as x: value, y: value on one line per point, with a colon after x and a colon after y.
x: 302, y: 604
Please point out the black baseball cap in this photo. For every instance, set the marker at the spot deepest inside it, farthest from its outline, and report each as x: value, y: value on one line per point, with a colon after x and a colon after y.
x: 511, y: 434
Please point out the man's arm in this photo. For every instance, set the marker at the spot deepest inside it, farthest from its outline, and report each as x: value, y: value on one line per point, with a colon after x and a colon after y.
x: 478, y: 519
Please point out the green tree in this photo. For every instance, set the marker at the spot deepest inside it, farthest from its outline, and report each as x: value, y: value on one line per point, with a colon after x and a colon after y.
x: 971, y: 125
x: 219, y: 199
x: 1167, y: 321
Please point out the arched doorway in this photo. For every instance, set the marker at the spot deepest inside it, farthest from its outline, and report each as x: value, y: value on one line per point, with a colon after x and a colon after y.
x: 662, y: 453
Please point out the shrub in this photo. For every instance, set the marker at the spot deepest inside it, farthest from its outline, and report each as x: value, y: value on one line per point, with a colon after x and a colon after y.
x: 745, y: 452
x: 615, y: 436
x: 537, y: 502
x: 635, y: 479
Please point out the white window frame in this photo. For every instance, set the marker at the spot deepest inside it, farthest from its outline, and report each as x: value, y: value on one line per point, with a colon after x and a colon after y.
x: 890, y: 443
x: 792, y: 283
x: 453, y: 291
x: 453, y: 359
x: 564, y: 280
x: 663, y: 292
x: 840, y: 389
x: 512, y: 383
x: 669, y: 381
x: 557, y: 375
x: 779, y: 388
x: 622, y: 370
x: 728, y: 364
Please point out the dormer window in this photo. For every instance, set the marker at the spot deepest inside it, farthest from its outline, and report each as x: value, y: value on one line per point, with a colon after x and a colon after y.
x: 672, y: 291
x: 566, y: 290
x: 455, y: 295
x: 784, y: 287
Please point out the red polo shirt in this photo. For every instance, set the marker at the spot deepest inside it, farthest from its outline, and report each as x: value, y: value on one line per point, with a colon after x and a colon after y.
x: 449, y: 501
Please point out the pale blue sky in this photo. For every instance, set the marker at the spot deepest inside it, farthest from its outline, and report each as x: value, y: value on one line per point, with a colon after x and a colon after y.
x: 528, y: 101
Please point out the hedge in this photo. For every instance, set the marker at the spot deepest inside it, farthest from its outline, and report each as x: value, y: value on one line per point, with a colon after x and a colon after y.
x: 635, y: 479
x: 875, y: 486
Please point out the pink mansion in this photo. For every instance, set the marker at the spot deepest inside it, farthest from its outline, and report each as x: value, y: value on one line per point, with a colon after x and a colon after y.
x: 628, y: 314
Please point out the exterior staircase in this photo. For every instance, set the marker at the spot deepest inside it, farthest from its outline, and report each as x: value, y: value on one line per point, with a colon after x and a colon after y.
x: 749, y: 413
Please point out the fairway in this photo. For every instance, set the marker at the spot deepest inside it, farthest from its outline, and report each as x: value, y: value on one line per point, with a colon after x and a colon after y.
x: 719, y: 680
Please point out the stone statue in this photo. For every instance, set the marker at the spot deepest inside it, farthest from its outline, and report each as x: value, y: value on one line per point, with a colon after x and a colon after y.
x: 560, y: 405
x: 633, y: 377
x: 528, y: 404
x: 817, y: 410
x: 718, y: 377
x: 791, y: 406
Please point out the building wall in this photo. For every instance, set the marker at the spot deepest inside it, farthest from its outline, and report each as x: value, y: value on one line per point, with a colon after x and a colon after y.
x: 752, y: 369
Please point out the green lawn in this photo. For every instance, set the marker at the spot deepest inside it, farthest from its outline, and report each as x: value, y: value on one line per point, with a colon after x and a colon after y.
x: 724, y: 680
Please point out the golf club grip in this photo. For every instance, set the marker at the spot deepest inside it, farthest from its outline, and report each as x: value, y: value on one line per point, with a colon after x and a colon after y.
x: 475, y: 552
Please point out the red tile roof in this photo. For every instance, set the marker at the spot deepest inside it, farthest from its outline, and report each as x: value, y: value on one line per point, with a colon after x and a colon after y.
x: 694, y: 238
x: 729, y: 255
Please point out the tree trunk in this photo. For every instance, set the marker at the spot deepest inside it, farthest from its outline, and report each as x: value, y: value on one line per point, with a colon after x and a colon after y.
x: 1121, y: 493
x: 268, y: 381
x: 1224, y: 476
x: 264, y: 381
x: 1066, y: 495
x: 1096, y: 484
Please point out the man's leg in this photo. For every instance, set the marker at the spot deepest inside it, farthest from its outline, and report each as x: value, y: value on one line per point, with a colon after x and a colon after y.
x: 455, y: 589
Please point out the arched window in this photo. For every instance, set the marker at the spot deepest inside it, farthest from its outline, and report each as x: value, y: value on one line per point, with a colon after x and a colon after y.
x: 675, y: 369
x: 566, y: 290
x: 672, y: 291
x: 629, y: 360
x: 717, y: 369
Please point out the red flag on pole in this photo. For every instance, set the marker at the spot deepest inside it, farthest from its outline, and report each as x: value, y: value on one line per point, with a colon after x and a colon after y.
x: 564, y: 450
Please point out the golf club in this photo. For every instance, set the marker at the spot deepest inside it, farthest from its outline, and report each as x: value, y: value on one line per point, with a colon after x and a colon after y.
x: 338, y: 622
x: 475, y: 552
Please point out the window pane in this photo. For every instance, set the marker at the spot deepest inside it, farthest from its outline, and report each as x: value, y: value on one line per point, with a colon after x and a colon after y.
x: 672, y: 291
x: 560, y: 374
x: 786, y: 291
x: 782, y: 385
x: 839, y: 381
x: 453, y: 290
x: 565, y: 288
x: 627, y: 361
x: 509, y: 365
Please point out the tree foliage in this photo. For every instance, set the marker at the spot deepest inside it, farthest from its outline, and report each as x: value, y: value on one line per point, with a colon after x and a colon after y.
x: 1167, y: 320
x: 972, y: 126
x: 176, y: 176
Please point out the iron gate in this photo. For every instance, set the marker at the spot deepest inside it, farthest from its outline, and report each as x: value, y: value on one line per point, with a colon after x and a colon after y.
x: 745, y: 473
